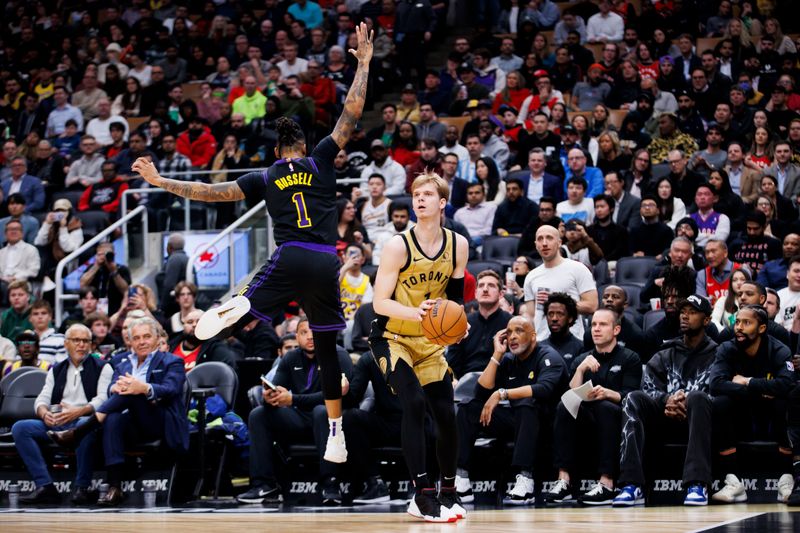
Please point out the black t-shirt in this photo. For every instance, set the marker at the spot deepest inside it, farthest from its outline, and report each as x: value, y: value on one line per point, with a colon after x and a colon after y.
x: 300, y: 195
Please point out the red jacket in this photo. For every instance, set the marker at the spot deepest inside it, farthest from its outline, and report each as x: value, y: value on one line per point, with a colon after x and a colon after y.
x: 323, y: 92
x: 201, y: 151
x: 103, y: 195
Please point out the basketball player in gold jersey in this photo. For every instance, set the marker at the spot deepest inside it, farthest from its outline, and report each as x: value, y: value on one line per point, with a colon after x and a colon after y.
x: 418, y: 266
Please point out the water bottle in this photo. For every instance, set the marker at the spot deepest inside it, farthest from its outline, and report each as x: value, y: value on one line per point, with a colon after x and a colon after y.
x: 102, y: 490
x: 510, y: 277
x: 149, y: 494
x: 13, y: 496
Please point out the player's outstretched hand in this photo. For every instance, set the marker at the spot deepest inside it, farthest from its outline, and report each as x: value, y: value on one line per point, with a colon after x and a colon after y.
x: 364, y: 52
x: 146, y: 169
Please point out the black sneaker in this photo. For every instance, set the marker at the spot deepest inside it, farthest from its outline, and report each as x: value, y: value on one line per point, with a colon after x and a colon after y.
x: 331, y: 492
x: 376, y: 492
x: 262, y: 494
x: 560, y: 493
x: 46, y: 494
x: 427, y: 506
x: 449, y: 498
x: 599, y: 495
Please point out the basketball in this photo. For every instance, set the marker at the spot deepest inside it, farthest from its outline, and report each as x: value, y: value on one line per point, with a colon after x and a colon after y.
x: 445, y: 323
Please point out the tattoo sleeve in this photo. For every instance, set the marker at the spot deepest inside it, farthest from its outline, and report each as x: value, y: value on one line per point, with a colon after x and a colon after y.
x: 353, y: 106
x: 204, y: 192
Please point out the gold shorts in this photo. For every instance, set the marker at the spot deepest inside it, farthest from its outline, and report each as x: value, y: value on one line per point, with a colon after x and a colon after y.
x: 425, y: 358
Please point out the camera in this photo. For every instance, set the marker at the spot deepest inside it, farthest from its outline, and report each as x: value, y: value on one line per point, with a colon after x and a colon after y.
x: 110, y: 257
x: 571, y: 225
x: 58, y: 217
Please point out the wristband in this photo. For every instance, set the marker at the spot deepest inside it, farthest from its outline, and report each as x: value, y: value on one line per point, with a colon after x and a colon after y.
x: 495, y: 361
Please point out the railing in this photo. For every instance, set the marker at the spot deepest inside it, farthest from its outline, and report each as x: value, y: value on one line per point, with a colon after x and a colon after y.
x: 60, y: 296
x: 227, y: 232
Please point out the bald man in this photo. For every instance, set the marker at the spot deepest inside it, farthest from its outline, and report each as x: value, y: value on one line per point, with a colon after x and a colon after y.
x: 194, y: 351
x: 557, y: 274
x: 531, y: 377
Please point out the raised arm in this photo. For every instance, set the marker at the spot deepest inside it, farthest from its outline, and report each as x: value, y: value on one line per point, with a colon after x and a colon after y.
x: 354, y: 103
x: 202, y: 192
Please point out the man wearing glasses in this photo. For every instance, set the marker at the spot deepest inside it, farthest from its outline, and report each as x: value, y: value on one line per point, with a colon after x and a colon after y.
x: 73, y: 389
x: 30, y: 187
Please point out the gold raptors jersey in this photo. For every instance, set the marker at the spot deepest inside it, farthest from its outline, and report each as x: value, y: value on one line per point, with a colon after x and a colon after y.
x: 421, y: 278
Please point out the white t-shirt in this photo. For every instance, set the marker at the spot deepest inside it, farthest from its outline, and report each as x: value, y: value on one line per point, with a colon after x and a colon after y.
x: 584, y: 211
x: 570, y: 277
x: 789, y: 301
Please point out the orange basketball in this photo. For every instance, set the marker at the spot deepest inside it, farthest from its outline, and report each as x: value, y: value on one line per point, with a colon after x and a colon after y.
x: 445, y: 323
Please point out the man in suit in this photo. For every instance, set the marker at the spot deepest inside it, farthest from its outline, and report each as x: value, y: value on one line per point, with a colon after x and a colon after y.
x: 30, y: 187
x: 626, y: 211
x: 786, y: 172
x: 77, y: 398
x: 458, y: 186
x: 536, y: 182
x: 744, y: 181
x: 146, y: 402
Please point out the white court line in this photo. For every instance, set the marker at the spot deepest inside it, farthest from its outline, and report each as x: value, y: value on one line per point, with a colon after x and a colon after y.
x: 727, y: 522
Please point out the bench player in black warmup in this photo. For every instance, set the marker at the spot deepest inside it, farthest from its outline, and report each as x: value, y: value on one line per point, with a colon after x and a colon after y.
x: 301, y: 199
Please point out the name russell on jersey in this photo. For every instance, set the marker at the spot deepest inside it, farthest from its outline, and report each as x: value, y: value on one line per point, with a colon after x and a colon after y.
x: 298, y: 178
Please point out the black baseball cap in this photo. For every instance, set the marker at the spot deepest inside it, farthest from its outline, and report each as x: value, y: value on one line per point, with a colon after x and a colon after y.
x: 698, y: 302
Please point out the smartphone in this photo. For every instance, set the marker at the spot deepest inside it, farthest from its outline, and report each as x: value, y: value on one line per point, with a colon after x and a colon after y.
x: 56, y: 408
x: 268, y: 384
x: 58, y: 217
x: 110, y: 257
x: 131, y: 292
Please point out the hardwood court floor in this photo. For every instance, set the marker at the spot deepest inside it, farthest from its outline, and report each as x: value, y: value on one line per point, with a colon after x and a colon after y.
x: 649, y: 520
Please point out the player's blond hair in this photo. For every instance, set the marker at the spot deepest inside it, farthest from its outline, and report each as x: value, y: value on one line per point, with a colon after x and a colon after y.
x: 433, y: 178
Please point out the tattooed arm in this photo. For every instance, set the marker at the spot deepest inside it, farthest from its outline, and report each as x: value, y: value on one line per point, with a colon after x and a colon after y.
x: 354, y: 104
x: 202, y: 192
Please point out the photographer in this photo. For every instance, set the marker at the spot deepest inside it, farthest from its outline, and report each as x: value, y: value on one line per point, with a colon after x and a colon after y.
x: 579, y: 246
x: 61, y: 234
x: 110, y: 279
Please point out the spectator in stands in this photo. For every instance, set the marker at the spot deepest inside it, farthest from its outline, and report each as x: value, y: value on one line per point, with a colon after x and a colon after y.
x: 408, y: 108
x: 354, y: 288
x: 611, y: 237
x: 649, y: 236
x: 323, y: 91
x: 130, y: 406
x: 385, y: 132
x: 291, y: 64
x: 569, y: 22
x: 605, y: 26
x: 466, y: 90
x: 535, y: 376
x: 349, y: 228
x: 251, y: 103
x: 79, y: 385
x: 47, y: 165
x: 557, y: 274
x: 540, y: 183
x: 713, y: 156
x: 753, y: 293
x: 515, y: 211
x: 494, y: 147
x: 98, y: 127
x: 790, y: 295
x: 109, y: 279
x: 785, y: 171
x: 25, y: 349
x: 430, y: 160
x: 586, y: 95
x: 576, y: 206
x: 30, y: 187
x: 576, y: 160
x: 61, y: 113
x: 60, y: 235
x: 604, y: 415
x: 173, y: 270
x: 675, y: 388
x: 561, y: 313
x: 174, y: 66
x: 105, y: 195
x: 193, y: 351
x: 197, y: 143
x: 507, y: 61
x: 383, y: 164
x: 185, y: 294
x: 713, y: 282
x: 19, y: 260
x: 756, y: 249
x: 87, y: 304
x: 85, y: 171
x: 118, y: 143
x: 287, y: 413
x: 541, y: 137
x: 749, y: 378
x: 16, y: 211
x: 626, y: 205
x: 773, y: 274
x: 474, y: 352
x: 375, y: 212
x: 477, y: 215
x: 86, y: 99
x: 140, y: 298
x: 579, y: 246
x: 451, y: 145
x: 428, y: 126
x: 670, y: 139
x: 51, y: 343
x: 129, y: 103
x: 404, y: 149
x: 14, y: 320
x: 711, y: 225
x: 744, y: 180
x: 137, y: 149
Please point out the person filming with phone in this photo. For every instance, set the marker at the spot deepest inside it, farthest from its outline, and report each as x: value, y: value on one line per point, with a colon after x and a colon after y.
x: 111, y: 280
x: 61, y: 234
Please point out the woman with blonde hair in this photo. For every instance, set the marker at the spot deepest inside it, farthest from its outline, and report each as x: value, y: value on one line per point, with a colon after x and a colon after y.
x: 230, y: 157
x: 186, y: 296
x: 138, y: 298
x: 610, y: 157
x: 783, y: 43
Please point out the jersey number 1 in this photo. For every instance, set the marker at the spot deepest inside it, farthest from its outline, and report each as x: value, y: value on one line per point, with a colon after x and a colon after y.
x: 302, y: 213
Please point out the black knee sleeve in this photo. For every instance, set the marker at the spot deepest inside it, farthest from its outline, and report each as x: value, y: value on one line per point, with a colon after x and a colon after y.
x: 331, y: 372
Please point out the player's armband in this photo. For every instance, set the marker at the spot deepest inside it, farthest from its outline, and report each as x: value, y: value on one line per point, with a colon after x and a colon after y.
x: 455, y: 290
